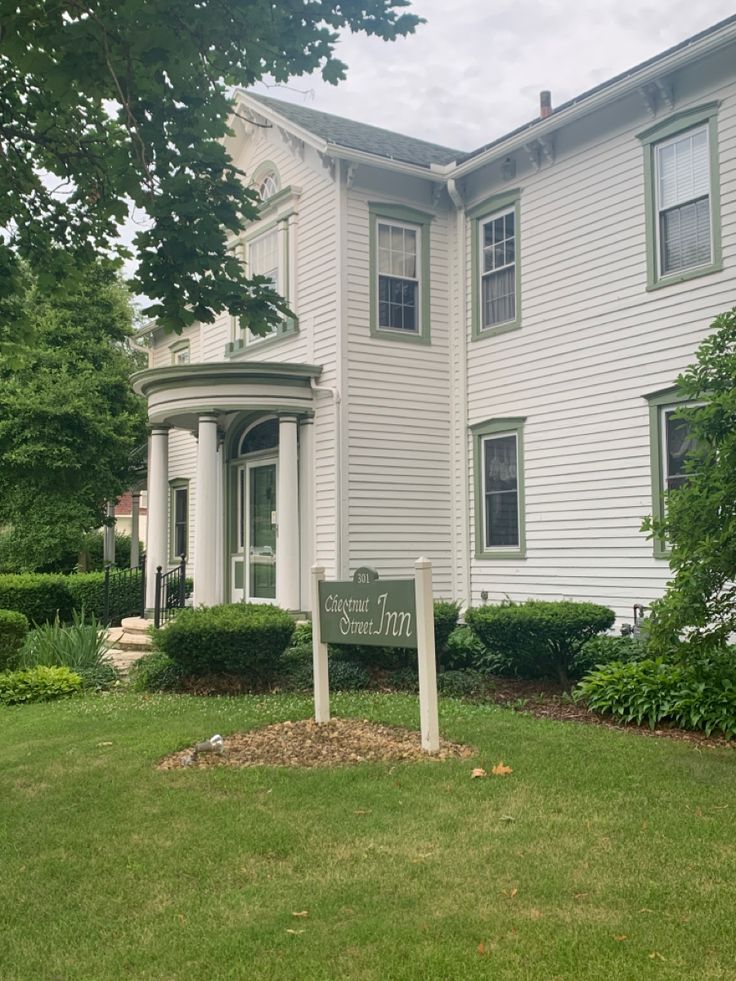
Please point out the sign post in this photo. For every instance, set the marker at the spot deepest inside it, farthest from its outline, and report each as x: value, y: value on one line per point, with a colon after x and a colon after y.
x: 375, y: 612
x: 319, y: 653
x: 426, y: 655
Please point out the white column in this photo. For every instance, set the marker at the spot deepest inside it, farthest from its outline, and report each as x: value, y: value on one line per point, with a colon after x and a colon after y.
x: 158, y: 510
x: 287, y: 517
x: 205, y: 514
x: 135, y: 510
x: 306, y: 504
x: 220, y: 509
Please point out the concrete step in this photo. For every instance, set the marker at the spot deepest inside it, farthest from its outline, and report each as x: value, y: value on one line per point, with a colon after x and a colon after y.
x: 123, y: 660
x: 135, y: 625
x: 134, y: 642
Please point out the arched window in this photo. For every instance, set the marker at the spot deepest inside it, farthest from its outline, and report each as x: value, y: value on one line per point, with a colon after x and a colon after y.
x: 268, y: 185
x: 263, y: 436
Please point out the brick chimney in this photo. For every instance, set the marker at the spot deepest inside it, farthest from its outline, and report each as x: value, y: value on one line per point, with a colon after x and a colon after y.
x: 545, y: 104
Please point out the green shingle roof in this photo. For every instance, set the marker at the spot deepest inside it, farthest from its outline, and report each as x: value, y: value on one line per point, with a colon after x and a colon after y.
x: 359, y: 136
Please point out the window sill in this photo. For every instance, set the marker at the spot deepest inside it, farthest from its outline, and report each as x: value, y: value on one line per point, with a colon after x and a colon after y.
x: 386, y: 334
x: 503, y: 556
x: 239, y: 347
x: 481, y: 335
x: 684, y: 277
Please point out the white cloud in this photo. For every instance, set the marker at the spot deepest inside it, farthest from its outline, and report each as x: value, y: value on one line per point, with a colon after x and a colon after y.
x: 474, y: 70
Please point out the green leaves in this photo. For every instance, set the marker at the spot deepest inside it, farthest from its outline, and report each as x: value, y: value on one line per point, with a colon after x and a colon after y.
x: 121, y: 103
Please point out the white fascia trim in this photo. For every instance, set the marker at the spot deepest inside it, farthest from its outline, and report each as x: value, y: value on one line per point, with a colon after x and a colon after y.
x: 335, y: 149
x: 632, y: 82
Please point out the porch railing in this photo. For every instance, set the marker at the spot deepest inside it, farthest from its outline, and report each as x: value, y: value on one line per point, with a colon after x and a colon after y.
x: 123, y: 593
x: 170, y: 592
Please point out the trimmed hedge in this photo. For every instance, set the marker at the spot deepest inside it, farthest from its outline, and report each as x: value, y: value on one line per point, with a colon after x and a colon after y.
x: 38, y: 596
x: 41, y: 597
x: 245, y: 639
x: 537, y: 638
x: 13, y: 632
x: 41, y: 684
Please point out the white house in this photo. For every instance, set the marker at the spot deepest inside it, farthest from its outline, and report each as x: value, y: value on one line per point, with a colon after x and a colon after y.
x: 481, y: 366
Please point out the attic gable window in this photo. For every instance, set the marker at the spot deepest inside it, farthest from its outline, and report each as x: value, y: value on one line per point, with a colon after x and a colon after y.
x: 268, y: 186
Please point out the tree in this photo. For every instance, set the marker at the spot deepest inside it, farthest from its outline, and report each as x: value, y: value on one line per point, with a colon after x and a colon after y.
x: 700, y: 523
x: 120, y: 102
x: 69, y: 421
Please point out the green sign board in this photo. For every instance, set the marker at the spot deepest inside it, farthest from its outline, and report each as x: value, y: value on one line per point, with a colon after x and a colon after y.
x: 368, y: 611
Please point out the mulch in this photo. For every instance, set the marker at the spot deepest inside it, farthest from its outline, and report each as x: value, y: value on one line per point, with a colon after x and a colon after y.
x: 547, y: 700
x: 339, y: 742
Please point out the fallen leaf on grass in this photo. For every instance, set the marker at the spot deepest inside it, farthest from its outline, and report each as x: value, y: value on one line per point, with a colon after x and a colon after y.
x: 656, y: 956
x: 580, y: 895
x: 483, y: 950
x: 501, y: 770
x: 303, y: 912
x: 295, y: 933
x: 478, y: 772
x: 510, y: 894
x: 621, y: 936
x: 645, y: 909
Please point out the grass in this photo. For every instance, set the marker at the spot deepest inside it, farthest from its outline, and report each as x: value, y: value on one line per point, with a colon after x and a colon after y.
x: 604, y: 854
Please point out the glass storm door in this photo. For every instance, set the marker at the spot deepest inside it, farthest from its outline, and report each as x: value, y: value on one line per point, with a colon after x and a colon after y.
x: 257, y: 493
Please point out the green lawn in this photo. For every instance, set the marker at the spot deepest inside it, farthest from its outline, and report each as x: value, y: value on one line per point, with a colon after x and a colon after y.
x: 604, y: 855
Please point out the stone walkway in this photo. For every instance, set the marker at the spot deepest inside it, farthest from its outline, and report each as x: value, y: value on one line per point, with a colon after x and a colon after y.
x: 128, y: 642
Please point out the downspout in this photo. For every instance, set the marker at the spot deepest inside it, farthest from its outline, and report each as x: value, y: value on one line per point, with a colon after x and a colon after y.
x: 341, y: 355
x: 460, y: 225
x: 334, y: 393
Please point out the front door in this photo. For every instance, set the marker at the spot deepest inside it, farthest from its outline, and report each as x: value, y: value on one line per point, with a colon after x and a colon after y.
x: 256, y: 532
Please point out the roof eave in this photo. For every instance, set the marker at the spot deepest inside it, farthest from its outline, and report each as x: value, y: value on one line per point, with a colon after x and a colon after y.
x: 593, y: 102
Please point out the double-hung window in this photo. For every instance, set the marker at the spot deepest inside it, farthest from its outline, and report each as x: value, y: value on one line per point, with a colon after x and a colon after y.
x: 399, y: 272
x: 499, y: 489
x: 672, y: 444
x: 180, y: 352
x: 683, y: 214
x: 179, y: 511
x: 496, y: 273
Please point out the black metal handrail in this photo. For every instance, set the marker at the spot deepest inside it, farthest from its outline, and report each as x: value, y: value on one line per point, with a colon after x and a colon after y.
x: 170, y: 592
x: 123, y: 593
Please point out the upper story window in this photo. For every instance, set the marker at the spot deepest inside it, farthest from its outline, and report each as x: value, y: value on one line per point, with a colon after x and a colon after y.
x: 265, y: 257
x: 399, y: 273
x: 180, y: 352
x: 268, y: 185
x: 499, y: 489
x: 495, y: 257
x: 398, y: 277
x: 682, y: 197
x: 498, y: 270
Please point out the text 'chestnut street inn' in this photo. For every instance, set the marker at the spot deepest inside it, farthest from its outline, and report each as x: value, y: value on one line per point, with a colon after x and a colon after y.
x: 481, y: 364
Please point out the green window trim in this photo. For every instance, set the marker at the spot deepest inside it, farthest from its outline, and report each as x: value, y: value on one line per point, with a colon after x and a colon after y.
x: 681, y: 122
x: 477, y: 216
x: 289, y: 326
x: 663, y: 399
x: 410, y: 216
x: 175, y: 485
x: 177, y: 348
x: 480, y: 431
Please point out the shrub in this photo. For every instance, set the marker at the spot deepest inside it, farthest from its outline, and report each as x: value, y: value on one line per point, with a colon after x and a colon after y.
x: 467, y: 683
x: 404, y: 679
x: 40, y: 684
x: 81, y: 646
x: 343, y: 675
x: 700, y: 695
x: 464, y: 650
x: 13, y: 631
x: 156, y: 672
x: 606, y: 648
x: 242, y: 638
x: 39, y: 597
x: 537, y: 638
x: 445, y: 621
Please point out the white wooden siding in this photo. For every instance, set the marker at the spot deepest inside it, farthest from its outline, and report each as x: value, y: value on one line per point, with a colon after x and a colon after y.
x: 593, y: 341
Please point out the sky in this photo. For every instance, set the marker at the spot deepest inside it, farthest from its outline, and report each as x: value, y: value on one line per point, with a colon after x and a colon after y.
x: 474, y: 70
